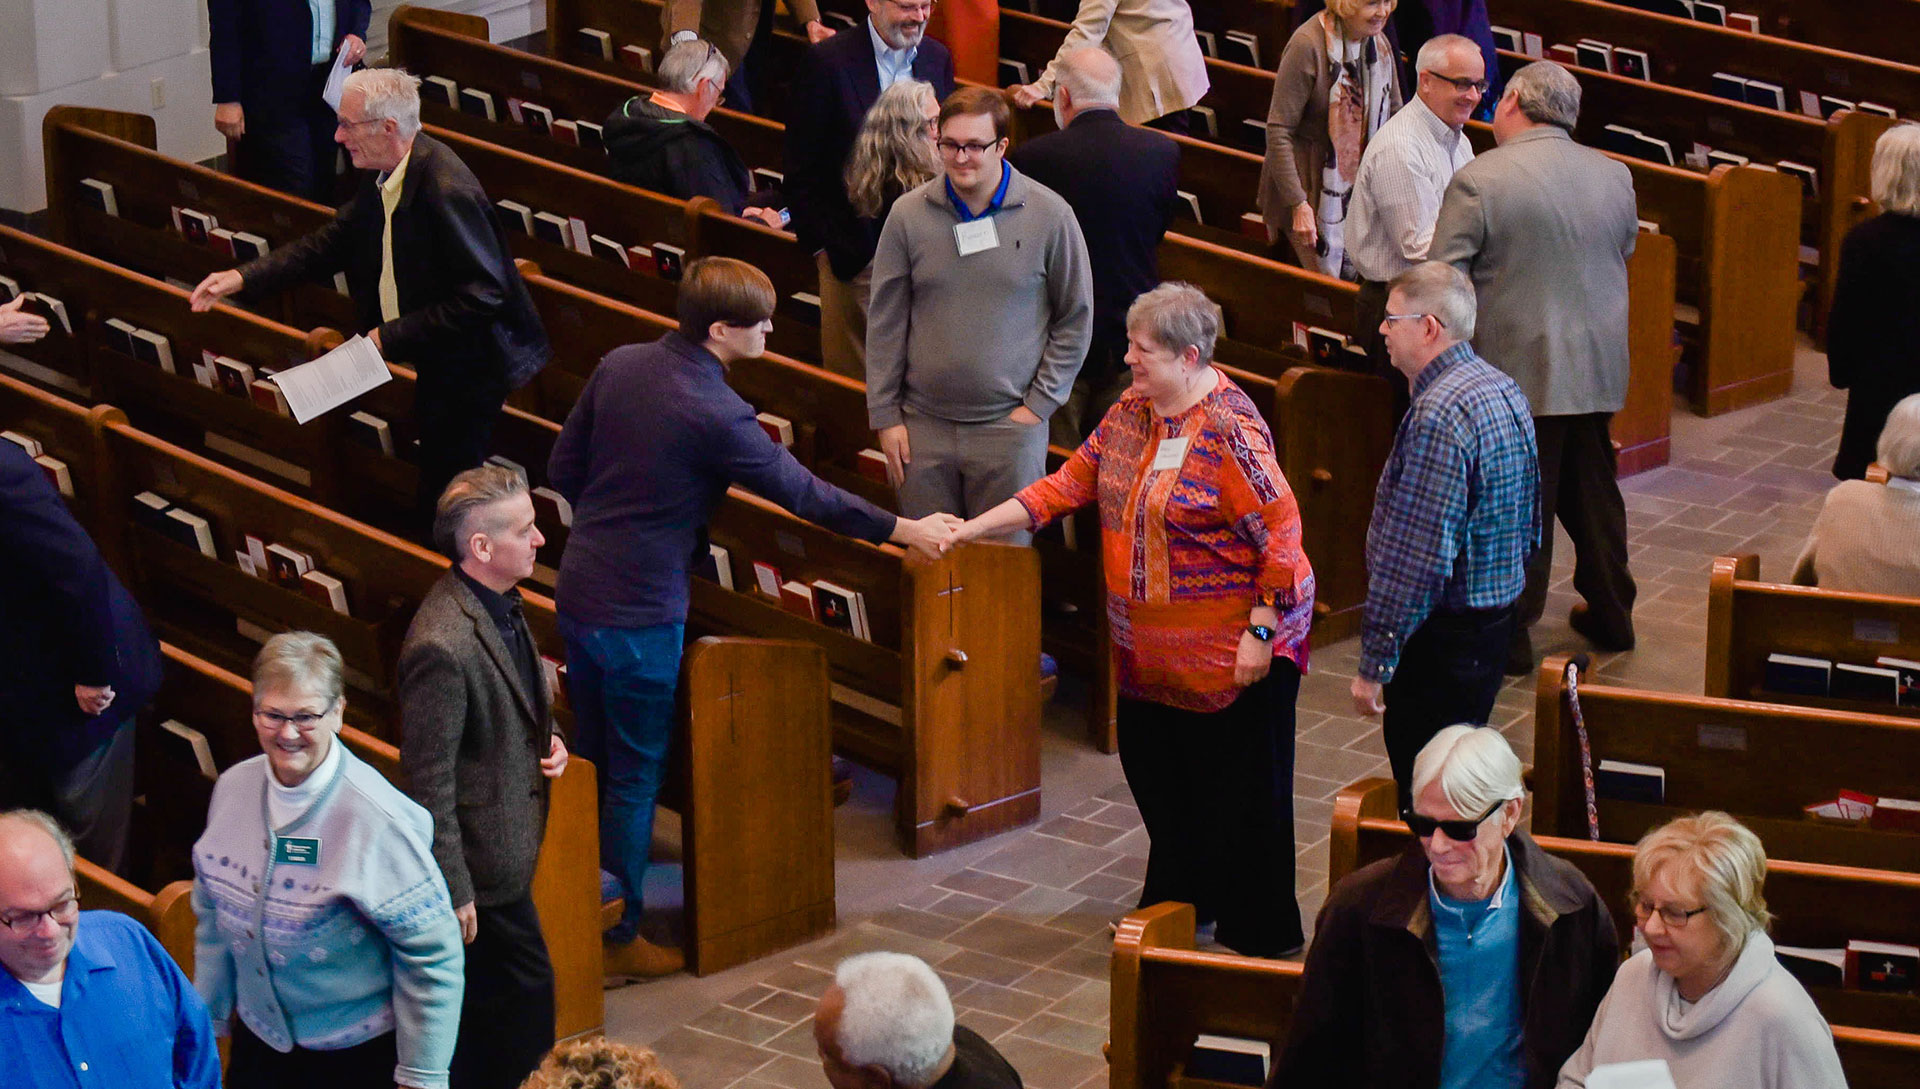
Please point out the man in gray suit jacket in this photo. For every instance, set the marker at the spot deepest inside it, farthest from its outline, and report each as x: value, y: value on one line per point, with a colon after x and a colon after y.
x: 478, y: 744
x: 1544, y: 227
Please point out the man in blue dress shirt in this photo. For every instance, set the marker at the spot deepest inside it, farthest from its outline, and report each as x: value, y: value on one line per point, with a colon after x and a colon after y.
x: 87, y: 999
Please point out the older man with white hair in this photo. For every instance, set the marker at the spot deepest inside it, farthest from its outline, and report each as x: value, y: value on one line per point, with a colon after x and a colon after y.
x: 1473, y: 959
x: 661, y: 140
x: 886, y: 1023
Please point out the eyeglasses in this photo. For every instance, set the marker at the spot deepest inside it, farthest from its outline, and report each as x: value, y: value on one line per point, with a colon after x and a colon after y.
x: 346, y: 124
x: 1414, y: 317
x: 1457, y: 831
x: 304, y: 721
x: 913, y: 9
x: 1477, y: 86
x: 1674, y: 918
x: 26, y: 922
x: 955, y: 149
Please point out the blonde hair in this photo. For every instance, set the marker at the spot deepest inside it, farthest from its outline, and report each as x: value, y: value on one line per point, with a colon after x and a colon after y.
x: 892, y: 154
x: 299, y: 659
x: 1895, y: 176
x: 595, y: 1062
x: 1715, y: 857
x: 1347, y: 10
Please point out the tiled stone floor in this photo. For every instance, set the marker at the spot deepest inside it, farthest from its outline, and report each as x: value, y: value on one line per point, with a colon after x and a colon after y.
x: 1017, y: 925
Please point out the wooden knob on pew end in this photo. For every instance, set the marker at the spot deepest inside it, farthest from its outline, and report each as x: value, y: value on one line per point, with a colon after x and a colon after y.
x: 1862, y: 202
x: 1321, y: 608
x: 1322, y: 476
x: 957, y: 658
x: 958, y: 806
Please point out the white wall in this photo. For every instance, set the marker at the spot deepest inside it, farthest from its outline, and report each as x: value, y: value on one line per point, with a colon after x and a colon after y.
x: 148, y: 56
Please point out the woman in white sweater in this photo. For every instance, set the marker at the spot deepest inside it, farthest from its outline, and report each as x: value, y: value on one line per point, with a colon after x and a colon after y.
x: 1867, y: 538
x: 1706, y: 994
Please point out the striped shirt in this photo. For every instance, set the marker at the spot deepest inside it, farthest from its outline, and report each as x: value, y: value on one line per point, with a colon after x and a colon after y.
x: 1189, y: 551
x: 1396, y: 195
x: 1456, y: 515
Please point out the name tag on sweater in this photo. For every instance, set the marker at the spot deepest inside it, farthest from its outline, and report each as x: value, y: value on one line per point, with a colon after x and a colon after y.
x: 976, y: 236
x: 1170, y: 454
x: 297, y: 851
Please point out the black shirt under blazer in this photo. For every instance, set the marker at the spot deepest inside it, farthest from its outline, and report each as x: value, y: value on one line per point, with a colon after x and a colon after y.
x: 1872, y: 330
x: 464, y: 310
x: 1121, y: 182
x: 837, y: 84
x: 471, y: 740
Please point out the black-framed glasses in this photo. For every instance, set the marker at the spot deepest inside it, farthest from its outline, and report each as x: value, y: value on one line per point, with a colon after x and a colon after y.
x: 1414, y: 317
x: 956, y: 149
x: 303, y: 721
x: 62, y: 913
x: 1674, y: 918
x: 1457, y: 831
x: 1477, y: 86
x: 923, y: 8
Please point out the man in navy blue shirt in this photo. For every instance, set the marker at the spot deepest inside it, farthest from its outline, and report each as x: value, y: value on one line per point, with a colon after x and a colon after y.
x: 87, y: 999
x: 648, y: 451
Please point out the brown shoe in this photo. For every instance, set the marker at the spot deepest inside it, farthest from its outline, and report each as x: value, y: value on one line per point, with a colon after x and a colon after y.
x: 641, y: 959
x: 1581, y: 620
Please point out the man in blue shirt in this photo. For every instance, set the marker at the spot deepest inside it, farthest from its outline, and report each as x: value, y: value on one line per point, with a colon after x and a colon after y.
x: 1455, y: 519
x: 87, y: 999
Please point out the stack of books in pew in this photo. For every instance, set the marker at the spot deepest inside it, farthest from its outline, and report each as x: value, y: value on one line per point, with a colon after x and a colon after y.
x: 1234, y: 46
x: 661, y: 259
x: 1884, y: 967
x: 1772, y: 96
x: 1328, y: 348
x: 1887, y: 680
x: 1861, y: 810
x: 538, y: 119
x: 292, y: 569
x: 830, y: 603
x: 1700, y: 11
x: 49, y: 308
x: 176, y: 522
x: 204, y: 229
x: 58, y: 474
x: 598, y: 43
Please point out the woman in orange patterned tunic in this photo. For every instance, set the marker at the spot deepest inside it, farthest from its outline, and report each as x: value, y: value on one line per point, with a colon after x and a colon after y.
x: 1209, y: 596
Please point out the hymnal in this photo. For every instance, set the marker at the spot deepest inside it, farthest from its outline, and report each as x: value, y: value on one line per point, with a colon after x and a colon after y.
x: 257, y: 552
x: 326, y: 590
x: 669, y: 261
x: 1620, y: 139
x: 594, y: 42
x: 1648, y: 226
x: 235, y: 377
x: 1632, y: 63
x: 1232, y: 1059
x: 1813, y: 967
x: 194, y: 225
x: 246, y: 563
x: 100, y: 195
x: 1704, y: 12
x: 1882, y: 966
x: 1253, y: 130
x: 1792, y: 674
x: 153, y: 349
x: 763, y: 178
x: 370, y: 431
x: 767, y: 577
x: 25, y: 442
x: 640, y: 259
x: 637, y: 57
x: 511, y: 465
x: 578, y: 237
x: 514, y: 216
x: 49, y: 308
x: 1564, y: 55
x: 1875, y: 107
x: 286, y: 565
x: 57, y: 474
x: 1809, y: 177
x: 797, y: 598
x: 537, y: 118
x: 806, y: 305
x: 1728, y: 85
x: 1909, y: 677
x: 267, y: 395
x: 10, y: 287
x: 1533, y: 45
x: 590, y: 134
x: 872, y: 465
x: 551, y: 507
x: 1208, y: 45
x: 191, y: 530
x: 1872, y: 684
x: 1655, y: 149
x: 551, y: 228
x: 1241, y: 47
x: 778, y: 428
x: 1740, y: 20
x: 196, y: 743
x: 1594, y: 54
x: 1013, y: 71
x: 247, y: 246
x: 1830, y: 105
x: 722, y: 565
x: 608, y: 250
x: 477, y: 103
x: 1895, y: 815
x: 1323, y: 345
x: 1810, y: 105
x: 1507, y: 38
x: 1716, y: 157
x: 1625, y: 782
x: 1203, y: 119
x: 841, y: 609
x: 1254, y: 226
x: 221, y: 240
x: 1187, y: 206
x: 150, y: 510
x: 1771, y: 95
x: 565, y: 130
x: 442, y: 90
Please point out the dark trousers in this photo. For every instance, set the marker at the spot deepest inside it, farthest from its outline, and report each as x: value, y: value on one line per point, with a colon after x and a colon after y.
x: 1449, y: 672
x: 251, y: 1064
x: 1179, y: 122
x: 289, y: 143
x: 740, y: 90
x: 1215, y: 791
x: 1577, y: 483
x: 455, y: 418
x: 506, y: 1016
x: 92, y: 797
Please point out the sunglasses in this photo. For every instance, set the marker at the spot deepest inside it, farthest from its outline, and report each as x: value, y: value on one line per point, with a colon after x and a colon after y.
x: 1457, y: 831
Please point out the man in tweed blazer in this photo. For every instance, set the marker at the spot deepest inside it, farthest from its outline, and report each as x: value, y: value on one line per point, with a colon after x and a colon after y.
x: 477, y: 745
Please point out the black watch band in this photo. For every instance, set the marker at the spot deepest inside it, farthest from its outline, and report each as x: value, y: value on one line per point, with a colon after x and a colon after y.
x: 1261, y: 632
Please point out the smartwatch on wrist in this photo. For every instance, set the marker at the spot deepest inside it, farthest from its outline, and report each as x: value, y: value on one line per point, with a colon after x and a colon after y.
x: 1261, y: 632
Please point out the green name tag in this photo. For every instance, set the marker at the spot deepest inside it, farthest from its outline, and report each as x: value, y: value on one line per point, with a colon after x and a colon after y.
x: 297, y: 851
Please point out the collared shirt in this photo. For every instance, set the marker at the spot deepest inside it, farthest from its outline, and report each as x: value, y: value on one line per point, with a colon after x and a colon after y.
x: 322, y: 11
x: 999, y: 197
x: 510, y: 620
x: 1456, y: 514
x: 390, y: 187
x: 1396, y: 195
x: 1479, y: 955
x: 127, y: 1019
x: 893, y: 64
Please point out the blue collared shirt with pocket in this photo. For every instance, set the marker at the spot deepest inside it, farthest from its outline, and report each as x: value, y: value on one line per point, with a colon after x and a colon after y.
x: 1479, y: 955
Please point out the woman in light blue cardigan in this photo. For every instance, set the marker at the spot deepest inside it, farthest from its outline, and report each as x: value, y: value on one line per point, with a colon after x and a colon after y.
x: 324, y: 922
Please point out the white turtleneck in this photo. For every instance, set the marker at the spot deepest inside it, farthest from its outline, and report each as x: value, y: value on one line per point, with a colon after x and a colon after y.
x: 286, y: 804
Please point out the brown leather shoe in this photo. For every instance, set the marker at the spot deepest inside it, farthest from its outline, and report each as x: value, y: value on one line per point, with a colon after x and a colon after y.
x: 641, y: 959
x: 1581, y: 620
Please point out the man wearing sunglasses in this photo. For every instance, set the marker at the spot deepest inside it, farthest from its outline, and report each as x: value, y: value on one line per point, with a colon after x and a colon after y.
x: 1471, y: 960
x: 87, y: 998
x: 1405, y: 172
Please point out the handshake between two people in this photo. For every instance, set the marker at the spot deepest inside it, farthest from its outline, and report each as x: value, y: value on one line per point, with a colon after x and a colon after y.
x: 937, y: 534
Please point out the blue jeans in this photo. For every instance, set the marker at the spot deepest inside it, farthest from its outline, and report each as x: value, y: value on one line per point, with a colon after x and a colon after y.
x: 622, y: 683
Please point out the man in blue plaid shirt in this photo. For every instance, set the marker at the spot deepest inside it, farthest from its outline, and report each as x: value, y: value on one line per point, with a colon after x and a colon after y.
x: 1455, y: 519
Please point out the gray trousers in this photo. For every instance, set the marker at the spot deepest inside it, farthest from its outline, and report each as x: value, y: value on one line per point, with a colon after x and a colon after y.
x: 968, y: 469
x: 92, y: 800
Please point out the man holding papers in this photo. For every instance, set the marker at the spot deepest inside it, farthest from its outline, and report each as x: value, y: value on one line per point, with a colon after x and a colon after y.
x: 429, y: 272
x: 271, y: 58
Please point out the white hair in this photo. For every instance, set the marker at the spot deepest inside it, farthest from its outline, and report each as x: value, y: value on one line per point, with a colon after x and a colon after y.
x: 897, y: 1016
x: 1899, y: 446
x: 1435, y: 50
x: 1475, y: 766
x: 1895, y: 175
x: 1091, y: 76
x: 392, y: 94
x: 687, y: 63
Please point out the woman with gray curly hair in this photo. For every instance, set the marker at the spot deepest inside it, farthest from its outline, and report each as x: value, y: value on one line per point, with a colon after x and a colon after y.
x: 596, y: 1062
x: 1707, y: 995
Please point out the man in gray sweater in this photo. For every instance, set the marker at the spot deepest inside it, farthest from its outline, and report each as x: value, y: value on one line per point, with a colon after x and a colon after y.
x: 981, y: 312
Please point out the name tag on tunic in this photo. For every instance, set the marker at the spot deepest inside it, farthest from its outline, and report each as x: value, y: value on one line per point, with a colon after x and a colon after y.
x: 297, y: 851
x: 1170, y: 454
x: 975, y: 236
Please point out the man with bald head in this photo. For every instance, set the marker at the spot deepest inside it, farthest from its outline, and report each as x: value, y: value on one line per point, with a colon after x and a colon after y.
x: 87, y: 999
x: 1120, y: 180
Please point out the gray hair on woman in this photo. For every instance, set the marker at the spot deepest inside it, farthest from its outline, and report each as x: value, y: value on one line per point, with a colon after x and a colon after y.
x: 392, y: 94
x: 1547, y: 94
x: 299, y: 659
x: 1895, y: 177
x: 1437, y: 288
x: 689, y: 62
x: 1899, y: 449
x: 1177, y: 316
x: 893, y: 152
x: 1718, y: 859
x: 897, y: 1016
x: 1475, y: 766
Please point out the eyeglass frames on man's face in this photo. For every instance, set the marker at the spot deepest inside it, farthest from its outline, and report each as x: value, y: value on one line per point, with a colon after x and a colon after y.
x: 346, y: 124
x: 1477, y: 86
x: 959, y: 150
x: 62, y: 913
x: 921, y: 9
x: 1457, y: 831
x: 303, y: 721
x: 1674, y: 918
x: 1414, y: 317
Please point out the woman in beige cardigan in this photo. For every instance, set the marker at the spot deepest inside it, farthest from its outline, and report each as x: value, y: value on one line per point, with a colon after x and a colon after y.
x: 1336, y: 86
x: 1867, y: 537
x: 1162, y: 70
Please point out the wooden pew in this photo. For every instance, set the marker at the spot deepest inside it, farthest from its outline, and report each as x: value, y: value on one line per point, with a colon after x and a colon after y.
x: 1748, y: 619
x: 1761, y: 762
x: 1887, y: 29
x: 167, y: 913
x: 1814, y: 905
